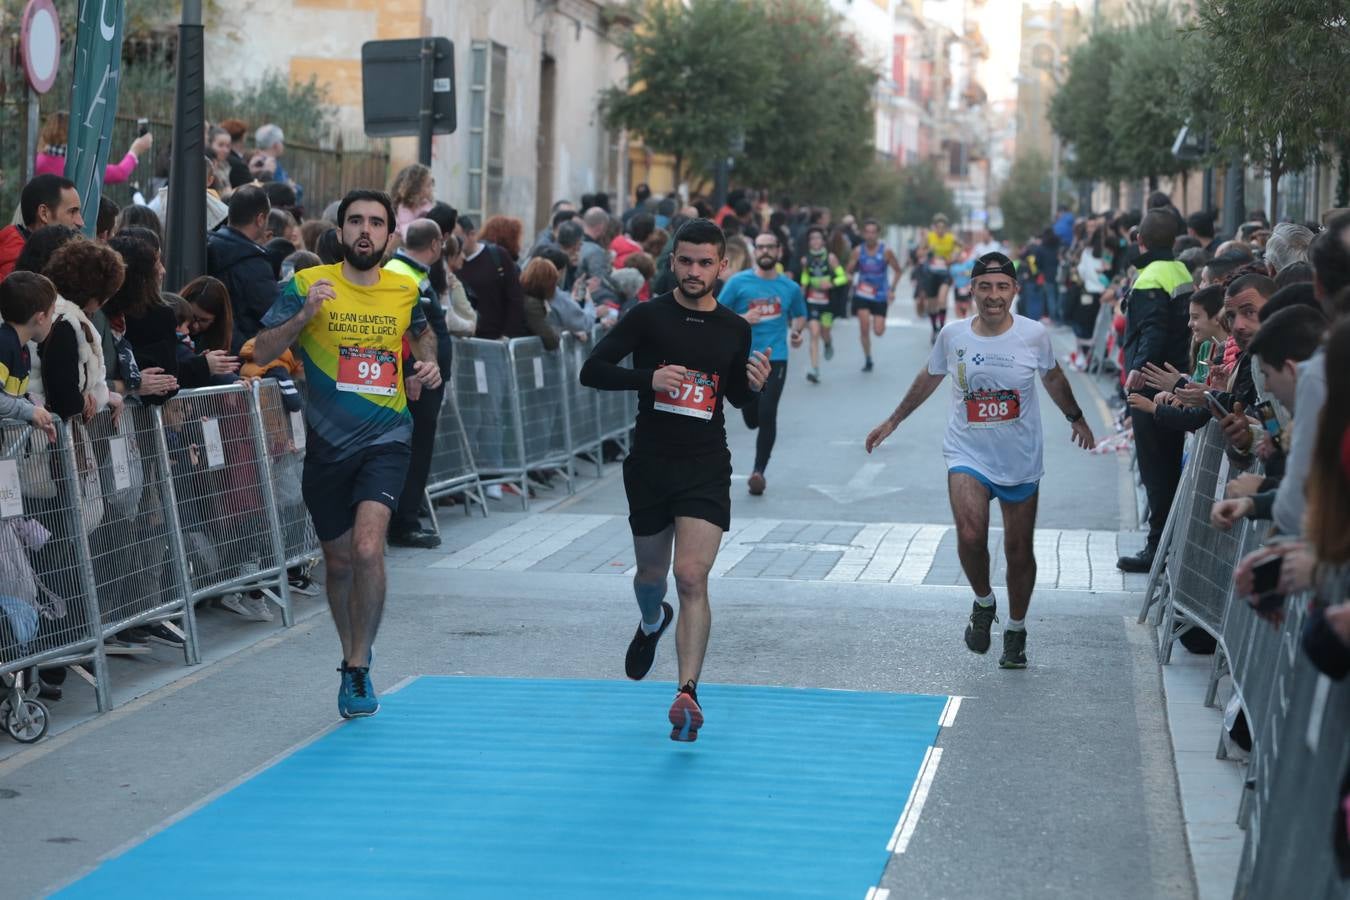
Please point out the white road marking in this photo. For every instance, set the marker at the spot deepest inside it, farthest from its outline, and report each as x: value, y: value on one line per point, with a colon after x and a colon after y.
x: 920, y: 554
x: 876, y: 893
x: 948, y: 717
x: 862, y: 486
x: 918, y: 795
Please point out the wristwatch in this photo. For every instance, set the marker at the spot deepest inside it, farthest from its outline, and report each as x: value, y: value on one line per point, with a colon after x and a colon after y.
x: 1074, y: 417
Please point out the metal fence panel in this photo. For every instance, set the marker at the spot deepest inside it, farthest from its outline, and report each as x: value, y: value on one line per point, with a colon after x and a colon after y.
x: 583, y: 404
x: 483, y: 389
x: 127, y: 519
x: 1200, y: 586
x: 540, y: 405
x: 452, y: 464
x: 219, y: 478
x: 48, y: 607
x: 284, y: 434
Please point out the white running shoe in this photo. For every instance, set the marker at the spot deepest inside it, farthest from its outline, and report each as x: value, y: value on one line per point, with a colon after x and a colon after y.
x: 246, y: 608
x: 493, y: 491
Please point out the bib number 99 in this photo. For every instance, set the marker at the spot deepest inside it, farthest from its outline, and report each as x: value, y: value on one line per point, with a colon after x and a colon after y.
x: 369, y: 370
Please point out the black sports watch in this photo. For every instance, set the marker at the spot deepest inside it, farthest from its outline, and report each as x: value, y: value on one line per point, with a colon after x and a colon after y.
x: 1074, y: 417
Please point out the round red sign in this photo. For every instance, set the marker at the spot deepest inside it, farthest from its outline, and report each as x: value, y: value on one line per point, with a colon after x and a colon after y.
x: 40, y: 44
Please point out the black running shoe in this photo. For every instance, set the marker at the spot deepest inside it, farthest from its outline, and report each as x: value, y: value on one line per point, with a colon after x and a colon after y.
x: 1014, y: 650
x: 982, y: 619
x: 867, y: 366
x: 642, y: 650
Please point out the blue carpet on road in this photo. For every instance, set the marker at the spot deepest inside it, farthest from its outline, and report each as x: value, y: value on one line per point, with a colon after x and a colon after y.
x: 484, y: 787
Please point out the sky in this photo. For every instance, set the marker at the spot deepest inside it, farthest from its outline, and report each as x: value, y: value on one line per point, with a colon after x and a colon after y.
x: 1000, y: 23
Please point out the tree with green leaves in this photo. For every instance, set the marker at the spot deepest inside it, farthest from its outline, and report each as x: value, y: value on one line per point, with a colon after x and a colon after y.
x: 1025, y: 197
x: 1144, y: 80
x: 818, y: 138
x: 1282, y: 73
x: 1080, y: 110
x: 1117, y: 106
x: 699, y: 74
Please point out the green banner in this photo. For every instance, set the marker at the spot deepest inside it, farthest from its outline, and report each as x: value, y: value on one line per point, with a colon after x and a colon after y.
x: 93, y: 99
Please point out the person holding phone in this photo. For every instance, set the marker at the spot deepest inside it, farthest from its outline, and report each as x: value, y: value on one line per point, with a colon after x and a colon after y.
x: 994, y: 441
x: 690, y: 354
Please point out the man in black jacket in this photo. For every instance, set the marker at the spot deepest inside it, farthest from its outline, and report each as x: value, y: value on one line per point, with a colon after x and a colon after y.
x: 234, y: 256
x: 1157, y: 332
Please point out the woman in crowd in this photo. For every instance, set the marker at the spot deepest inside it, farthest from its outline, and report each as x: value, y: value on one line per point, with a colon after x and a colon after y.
x: 413, y: 191
x: 311, y: 231
x: 51, y: 158
x: 141, y: 322
x: 70, y: 372
x: 1093, y: 265
x: 505, y: 232
x: 460, y: 316
x: 210, y: 326
x: 137, y: 216
x: 539, y: 281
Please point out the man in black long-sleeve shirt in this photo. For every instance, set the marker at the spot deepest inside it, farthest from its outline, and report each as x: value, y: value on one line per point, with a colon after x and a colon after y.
x: 689, y: 354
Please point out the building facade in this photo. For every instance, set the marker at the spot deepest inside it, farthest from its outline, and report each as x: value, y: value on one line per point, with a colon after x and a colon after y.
x: 528, y: 77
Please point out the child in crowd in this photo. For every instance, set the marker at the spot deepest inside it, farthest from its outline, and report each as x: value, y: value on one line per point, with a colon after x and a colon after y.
x: 28, y: 305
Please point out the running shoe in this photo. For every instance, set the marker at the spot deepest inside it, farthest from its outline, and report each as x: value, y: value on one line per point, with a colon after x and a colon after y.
x: 977, y: 632
x: 1014, y: 650
x: 161, y: 634
x: 356, y: 695
x: 829, y: 350
x: 756, y: 483
x: 686, y: 716
x: 813, y: 376
x: 642, y: 649
x: 245, y: 608
x: 301, y: 583
x: 867, y: 366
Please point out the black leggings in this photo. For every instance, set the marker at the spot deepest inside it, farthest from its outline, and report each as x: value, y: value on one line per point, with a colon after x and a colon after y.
x: 763, y: 415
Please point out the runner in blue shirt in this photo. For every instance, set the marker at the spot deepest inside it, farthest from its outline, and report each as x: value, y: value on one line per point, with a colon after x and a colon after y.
x: 773, y: 305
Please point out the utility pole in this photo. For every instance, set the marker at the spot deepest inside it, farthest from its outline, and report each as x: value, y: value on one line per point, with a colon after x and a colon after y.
x: 184, y: 229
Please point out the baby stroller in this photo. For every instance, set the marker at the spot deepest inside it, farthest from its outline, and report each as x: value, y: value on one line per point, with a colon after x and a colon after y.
x: 23, y: 715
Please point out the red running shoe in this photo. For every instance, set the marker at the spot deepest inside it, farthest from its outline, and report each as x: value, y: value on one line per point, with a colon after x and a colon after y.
x: 686, y: 716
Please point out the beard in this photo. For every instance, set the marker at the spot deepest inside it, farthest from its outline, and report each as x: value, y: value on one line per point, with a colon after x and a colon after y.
x: 766, y: 262
x: 362, y: 262
x: 703, y: 291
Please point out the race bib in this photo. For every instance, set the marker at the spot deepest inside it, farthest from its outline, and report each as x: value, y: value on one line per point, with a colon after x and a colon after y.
x: 988, y: 408
x: 367, y: 371
x: 696, y: 396
x: 769, y: 308
x: 866, y: 291
x: 817, y: 296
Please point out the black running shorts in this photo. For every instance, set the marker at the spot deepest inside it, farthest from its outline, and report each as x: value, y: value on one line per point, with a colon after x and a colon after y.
x: 661, y: 488
x: 333, y: 489
x: 875, y: 307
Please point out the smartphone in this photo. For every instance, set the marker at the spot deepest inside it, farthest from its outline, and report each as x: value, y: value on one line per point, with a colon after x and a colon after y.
x: 1215, y: 406
x: 1265, y: 580
x: 142, y: 127
x: 1271, y: 422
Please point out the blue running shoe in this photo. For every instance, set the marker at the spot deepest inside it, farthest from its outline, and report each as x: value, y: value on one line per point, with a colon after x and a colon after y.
x: 356, y: 696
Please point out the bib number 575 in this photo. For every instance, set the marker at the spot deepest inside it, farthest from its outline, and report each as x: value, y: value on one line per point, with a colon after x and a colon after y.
x: 692, y: 393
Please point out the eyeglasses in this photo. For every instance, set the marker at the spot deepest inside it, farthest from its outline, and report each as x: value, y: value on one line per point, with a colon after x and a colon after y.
x: 773, y: 246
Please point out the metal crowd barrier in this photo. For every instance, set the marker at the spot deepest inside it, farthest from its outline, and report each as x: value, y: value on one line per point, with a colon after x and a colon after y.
x: 1299, y: 720
x: 522, y: 409
x: 1101, y: 331
x: 128, y: 523
x: 452, y: 465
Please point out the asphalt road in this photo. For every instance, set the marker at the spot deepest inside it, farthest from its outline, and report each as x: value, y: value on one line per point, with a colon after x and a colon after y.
x: 1056, y: 781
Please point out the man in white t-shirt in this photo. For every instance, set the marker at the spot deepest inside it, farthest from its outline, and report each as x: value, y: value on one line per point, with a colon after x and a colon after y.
x: 994, y: 442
